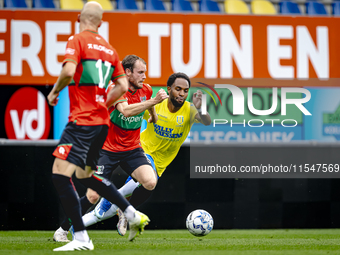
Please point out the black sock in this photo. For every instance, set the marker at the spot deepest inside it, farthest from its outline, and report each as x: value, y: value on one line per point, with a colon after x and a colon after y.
x: 106, y: 189
x: 139, y: 196
x: 85, y: 205
x: 69, y: 200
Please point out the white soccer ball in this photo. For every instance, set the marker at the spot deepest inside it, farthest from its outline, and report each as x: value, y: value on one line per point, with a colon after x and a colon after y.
x: 199, y: 222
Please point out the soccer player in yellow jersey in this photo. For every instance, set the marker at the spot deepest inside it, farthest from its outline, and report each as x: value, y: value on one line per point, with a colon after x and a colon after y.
x: 161, y: 142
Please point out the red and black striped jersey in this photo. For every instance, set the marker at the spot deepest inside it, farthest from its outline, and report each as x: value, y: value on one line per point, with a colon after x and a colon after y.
x: 97, y: 63
x: 124, y: 132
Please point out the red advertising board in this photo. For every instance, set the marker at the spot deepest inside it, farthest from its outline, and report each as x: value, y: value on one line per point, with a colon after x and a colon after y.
x: 256, y: 50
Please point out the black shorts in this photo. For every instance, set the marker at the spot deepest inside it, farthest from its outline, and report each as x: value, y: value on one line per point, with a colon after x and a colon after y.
x: 81, y: 145
x: 129, y: 161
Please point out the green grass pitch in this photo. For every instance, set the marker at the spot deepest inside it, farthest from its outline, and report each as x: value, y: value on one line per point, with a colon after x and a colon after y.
x: 159, y: 242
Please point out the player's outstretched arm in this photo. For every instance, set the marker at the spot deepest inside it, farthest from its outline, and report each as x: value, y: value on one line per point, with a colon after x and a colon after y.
x: 64, y: 79
x: 197, y: 101
x: 120, y: 88
x: 129, y: 110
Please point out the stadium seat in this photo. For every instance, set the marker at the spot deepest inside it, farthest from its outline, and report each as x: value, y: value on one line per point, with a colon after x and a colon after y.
x: 315, y: 8
x: 236, y: 7
x: 71, y: 5
x: 208, y: 6
x: 336, y: 8
x: 287, y: 7
x: 262, y: 7
x: 15, y: 4
x: 43, y: 4
x: 154, y: 5
x: 181, y: 5
x: 106, y: 4
x: 126, y: 5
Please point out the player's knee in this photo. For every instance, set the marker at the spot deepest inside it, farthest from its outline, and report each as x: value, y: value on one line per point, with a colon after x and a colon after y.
x: 93, y: 197
x: 150, y: 184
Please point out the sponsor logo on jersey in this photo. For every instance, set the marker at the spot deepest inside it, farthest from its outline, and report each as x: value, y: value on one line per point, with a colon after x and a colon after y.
x: 130, y: 119
x: 142, y: 99
x: 70, y: 51
x: 27, y: 115
x: 166, y: 132
x: 180, y: 119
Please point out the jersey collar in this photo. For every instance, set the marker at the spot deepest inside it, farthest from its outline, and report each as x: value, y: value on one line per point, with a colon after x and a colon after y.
x: 92, y: 31
x: 132, y: 92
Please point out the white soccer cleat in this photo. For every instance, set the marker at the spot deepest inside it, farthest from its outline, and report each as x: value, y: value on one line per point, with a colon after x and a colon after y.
x: 60, y: 236
x: 137, y: 225
x: 122, y: 223
x: 76, y: 245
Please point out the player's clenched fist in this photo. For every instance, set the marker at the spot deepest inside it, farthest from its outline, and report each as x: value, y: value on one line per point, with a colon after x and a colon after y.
x: 197, y: 99
x: 161, y: 95
x: 53, y: 98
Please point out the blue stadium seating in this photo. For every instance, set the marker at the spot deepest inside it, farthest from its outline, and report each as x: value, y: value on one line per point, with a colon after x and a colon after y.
x: 15, y: 4
x: 154, y: 5
x: 315, y: 8
x: 126, y: 5
x: 181, y: 5
x: 43, y: 4
x: 208, y: 6
x: 288, y: 7
x: 336, y: 8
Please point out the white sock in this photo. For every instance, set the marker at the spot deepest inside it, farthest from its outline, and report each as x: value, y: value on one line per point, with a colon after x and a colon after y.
x: 127, y: 189
x: 90, y: 219
x: 130, y: 212
x: 82, y: 236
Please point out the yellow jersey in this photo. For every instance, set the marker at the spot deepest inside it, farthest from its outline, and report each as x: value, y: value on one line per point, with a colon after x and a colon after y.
x: 162, y: 140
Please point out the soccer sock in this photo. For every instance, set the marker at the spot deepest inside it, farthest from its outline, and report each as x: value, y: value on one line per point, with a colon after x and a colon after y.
x: 69, y: 200
x: 82, y: 236
x: 105, y: 189
x: 85, y: 205
x: 90, y: 219
x: 130, y: 213
x: 127, y: 189
x: 139, y: 196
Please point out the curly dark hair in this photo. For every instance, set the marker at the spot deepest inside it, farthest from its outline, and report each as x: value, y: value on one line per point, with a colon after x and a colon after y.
x: 130, y: 60
x: 174, y: 76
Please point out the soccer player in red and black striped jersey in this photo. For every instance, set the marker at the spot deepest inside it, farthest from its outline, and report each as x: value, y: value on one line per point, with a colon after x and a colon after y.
x: 122, y: 146
x: 89, y: 64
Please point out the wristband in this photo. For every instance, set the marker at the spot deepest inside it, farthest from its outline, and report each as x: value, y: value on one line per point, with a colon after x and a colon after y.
x: 199, y: 110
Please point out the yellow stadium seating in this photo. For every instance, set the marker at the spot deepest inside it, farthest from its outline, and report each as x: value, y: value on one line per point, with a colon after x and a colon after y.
x: 262, y: 7
x: 71, y: 5
x: 106, y: 4
x: 235, y: 7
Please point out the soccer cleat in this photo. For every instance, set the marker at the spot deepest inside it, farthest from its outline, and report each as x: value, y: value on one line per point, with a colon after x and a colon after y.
x: 102, y: 207
x: 137, y: 225
x: 76, y: 245
x: 122, y: 223
x: 60, y: 235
